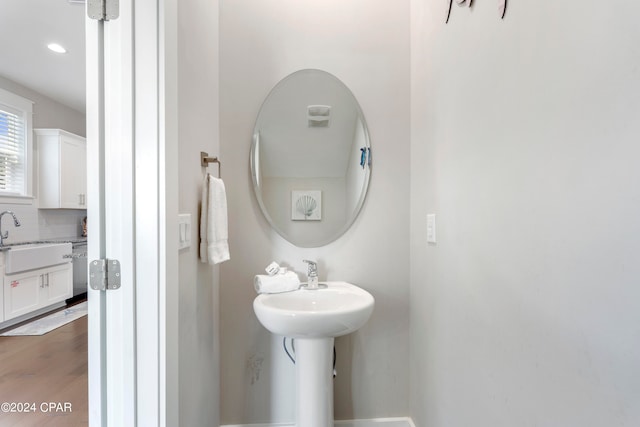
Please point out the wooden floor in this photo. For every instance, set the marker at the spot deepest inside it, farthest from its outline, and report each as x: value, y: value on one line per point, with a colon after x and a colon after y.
x: 45, y: 370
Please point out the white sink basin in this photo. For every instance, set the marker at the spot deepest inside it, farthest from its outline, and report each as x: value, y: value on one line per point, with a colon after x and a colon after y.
x: 38, y: 255
x: 332, y: 311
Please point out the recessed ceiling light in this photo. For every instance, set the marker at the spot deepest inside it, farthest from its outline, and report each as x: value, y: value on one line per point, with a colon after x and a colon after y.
x: 56, y: 48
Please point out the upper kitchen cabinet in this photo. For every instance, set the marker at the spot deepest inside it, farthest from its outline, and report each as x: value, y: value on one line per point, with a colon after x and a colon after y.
x: 62, y: 169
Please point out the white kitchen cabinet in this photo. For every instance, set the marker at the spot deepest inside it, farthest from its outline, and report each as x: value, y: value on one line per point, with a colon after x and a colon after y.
x: 21, y: 294
x: 59, y: 284
x: 32, y: 290
x: 2, y: 290
x: 62, y: 169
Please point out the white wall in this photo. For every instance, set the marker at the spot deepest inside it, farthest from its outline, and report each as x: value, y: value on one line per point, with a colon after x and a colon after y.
x: 365, y: 43
x: 525, y: 145
x: 48, y: 113
x: 199, y: 283
x: 47, y: 223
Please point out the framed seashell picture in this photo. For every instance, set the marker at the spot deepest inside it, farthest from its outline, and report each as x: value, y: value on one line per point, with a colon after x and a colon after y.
x: 306, y: 205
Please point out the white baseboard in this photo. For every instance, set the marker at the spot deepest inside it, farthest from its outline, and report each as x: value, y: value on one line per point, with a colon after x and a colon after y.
x: 376, y: 422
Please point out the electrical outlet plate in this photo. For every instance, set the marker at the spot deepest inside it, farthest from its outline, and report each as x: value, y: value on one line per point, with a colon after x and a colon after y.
x: 431, y: 228
x: 184, y: 231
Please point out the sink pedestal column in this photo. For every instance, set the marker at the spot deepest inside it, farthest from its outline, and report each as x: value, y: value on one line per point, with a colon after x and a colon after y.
x: 314, y: 382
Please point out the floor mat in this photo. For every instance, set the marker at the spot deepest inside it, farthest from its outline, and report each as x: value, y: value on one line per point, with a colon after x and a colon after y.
x: 50, y: 322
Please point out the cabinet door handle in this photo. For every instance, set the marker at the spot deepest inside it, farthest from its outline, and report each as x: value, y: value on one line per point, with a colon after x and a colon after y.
x: 47, y: 280
x: 42, y: 281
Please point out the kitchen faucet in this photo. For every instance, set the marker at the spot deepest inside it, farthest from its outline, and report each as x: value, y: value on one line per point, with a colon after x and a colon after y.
x: 4, y: 235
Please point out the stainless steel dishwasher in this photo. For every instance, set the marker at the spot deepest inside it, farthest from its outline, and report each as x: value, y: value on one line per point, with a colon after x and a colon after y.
x: 79, y: 250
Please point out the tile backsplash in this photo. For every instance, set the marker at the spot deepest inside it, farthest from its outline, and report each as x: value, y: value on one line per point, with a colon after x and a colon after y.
x: 41, y: 224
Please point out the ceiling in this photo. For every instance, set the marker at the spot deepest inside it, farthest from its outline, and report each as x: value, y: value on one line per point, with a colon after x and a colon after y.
x: 26, y: 27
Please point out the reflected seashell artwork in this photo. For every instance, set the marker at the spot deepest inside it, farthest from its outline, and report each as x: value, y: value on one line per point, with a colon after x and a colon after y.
x: 306, y: 205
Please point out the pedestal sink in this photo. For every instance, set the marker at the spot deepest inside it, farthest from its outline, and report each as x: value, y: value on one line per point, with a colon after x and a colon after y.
x: 314, y: 318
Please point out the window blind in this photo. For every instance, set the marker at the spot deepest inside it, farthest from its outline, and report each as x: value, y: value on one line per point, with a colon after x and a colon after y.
x: 12, y: 150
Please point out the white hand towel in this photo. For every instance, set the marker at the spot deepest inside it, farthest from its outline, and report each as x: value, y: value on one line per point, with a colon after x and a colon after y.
x: 214, y: 246
x: 276, y: 284
x: 204, y: 214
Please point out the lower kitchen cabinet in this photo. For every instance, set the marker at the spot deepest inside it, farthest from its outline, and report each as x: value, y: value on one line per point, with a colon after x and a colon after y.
x: 32, y: 290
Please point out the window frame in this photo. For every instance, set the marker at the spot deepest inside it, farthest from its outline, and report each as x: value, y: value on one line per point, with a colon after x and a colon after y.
x: 25, y: 106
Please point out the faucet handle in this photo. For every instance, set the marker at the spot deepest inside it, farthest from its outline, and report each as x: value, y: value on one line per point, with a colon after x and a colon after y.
x: 313, y: 268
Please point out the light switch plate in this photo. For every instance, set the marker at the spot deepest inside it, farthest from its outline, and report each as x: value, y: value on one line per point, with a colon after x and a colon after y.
x: 431, y: 228
x: 184, y: 231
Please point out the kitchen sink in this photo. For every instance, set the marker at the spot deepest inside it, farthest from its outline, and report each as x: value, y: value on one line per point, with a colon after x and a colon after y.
x: 36, y: 255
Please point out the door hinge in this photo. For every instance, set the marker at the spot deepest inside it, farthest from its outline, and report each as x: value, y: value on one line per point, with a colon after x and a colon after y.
x: 103, y: 10
x: 104, y: 274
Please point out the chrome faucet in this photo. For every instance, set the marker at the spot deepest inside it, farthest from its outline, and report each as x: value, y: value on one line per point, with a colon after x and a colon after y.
x: 5, y: 235
x: 312, y: 274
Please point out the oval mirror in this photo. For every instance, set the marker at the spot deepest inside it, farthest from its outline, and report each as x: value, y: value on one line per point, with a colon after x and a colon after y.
x: 310, y: 158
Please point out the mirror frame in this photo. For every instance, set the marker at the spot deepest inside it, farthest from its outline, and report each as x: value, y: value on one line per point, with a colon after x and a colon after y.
x: 363, y: 195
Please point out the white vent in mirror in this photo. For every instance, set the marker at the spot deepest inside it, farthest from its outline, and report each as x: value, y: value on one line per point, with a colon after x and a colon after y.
x: 318, y: 115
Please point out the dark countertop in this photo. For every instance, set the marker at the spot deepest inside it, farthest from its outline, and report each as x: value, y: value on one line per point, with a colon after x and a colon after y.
x: 71, y: 240
x: 67, y: 239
